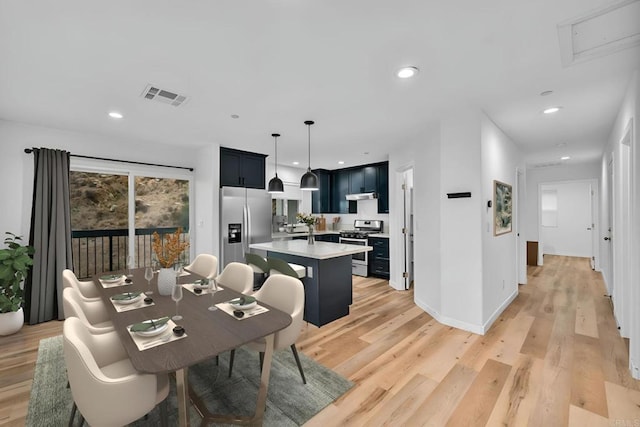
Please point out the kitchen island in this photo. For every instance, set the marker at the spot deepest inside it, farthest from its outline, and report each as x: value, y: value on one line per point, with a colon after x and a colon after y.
x: 327, y: 285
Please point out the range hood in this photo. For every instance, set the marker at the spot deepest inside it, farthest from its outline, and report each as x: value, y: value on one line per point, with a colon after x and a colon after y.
x: 362, y: 196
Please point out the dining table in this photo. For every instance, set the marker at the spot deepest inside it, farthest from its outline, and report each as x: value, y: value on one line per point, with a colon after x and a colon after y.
x: 206, y: 334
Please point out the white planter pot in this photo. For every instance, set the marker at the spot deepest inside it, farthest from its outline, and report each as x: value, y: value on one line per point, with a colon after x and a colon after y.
x: 166, y: 281
x: 10, y: 323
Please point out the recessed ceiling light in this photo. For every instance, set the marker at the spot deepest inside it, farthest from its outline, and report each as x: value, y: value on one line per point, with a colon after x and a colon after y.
x: 551, y: 110
x: 235, y: 116
x: 340, y: 162
x: 296, y: 163
x: 546, y: 92
x: 115, y: 115
x: 565, y: 158
x: 407, y: 72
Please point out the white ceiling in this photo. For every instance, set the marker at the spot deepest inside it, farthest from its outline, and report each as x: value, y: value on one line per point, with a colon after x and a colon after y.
x: 276, y: 63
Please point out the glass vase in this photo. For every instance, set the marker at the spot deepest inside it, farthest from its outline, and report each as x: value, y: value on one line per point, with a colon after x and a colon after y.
x: 310, y: 238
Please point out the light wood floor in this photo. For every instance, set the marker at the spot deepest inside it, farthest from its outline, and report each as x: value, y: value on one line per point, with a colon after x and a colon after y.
x: 553, y: 358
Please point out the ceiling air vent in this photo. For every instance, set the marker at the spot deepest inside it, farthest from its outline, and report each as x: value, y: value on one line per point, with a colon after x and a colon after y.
x: 601, y: 32
x: 154, y: 93
x: 544, y: 165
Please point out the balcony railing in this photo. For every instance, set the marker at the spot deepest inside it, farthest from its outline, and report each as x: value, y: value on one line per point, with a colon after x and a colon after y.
x: 95, y: 251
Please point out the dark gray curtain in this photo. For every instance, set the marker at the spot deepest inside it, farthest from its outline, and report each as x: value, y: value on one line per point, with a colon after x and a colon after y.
x: 50, y: 236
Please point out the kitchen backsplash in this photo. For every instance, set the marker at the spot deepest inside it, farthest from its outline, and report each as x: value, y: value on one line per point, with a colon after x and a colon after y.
x: 367, y: 209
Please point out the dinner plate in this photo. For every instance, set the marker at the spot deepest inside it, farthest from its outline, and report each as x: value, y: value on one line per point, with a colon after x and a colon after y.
x: 127, y: 301
x: 198, y: 284
x: 153, y: 332
x: 244, y: 306
x: 111, y: 278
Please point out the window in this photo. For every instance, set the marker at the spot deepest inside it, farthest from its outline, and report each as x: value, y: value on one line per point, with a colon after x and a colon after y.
x: 116, y: 210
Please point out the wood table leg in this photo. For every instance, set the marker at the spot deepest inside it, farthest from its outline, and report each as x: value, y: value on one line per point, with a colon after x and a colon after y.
x: 264, y: 382
x: 182, y: 392
x: 261, y: 402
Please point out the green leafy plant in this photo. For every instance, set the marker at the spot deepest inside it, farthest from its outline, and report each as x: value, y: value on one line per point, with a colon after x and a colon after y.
x: 15, y: 261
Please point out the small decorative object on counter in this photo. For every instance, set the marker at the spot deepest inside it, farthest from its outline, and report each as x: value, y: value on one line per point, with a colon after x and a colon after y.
x: 310, y: 221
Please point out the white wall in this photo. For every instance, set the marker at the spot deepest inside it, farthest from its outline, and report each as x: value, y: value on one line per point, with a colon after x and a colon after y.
x: 423, y: 155
x: 628, y: 293
x: 461, y: 220
x: 500, y: 159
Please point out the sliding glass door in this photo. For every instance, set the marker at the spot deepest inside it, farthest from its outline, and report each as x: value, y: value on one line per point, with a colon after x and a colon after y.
x: 114, y: 213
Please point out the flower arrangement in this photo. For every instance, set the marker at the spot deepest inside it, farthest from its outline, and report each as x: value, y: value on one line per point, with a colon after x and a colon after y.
x: 308, y: 219
x: 168, y: 253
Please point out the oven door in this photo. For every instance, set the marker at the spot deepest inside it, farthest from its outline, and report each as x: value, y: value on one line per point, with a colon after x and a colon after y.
x: 362, y: 257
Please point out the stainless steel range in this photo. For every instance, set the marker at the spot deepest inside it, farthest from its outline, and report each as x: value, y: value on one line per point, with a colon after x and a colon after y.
x: 358, y: 236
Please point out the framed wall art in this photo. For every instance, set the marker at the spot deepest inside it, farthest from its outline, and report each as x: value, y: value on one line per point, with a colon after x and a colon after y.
x: 502, y: 208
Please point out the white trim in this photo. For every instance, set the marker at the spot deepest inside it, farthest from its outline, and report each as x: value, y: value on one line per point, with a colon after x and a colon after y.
x: 476, y: 329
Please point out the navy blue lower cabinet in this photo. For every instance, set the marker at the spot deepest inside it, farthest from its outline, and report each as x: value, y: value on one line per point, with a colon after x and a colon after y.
x: 328, y: 293
x: 333, y: 238
x: 378, y: 263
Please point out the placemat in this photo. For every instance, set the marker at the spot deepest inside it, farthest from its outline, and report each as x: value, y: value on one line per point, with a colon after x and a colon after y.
x: 145, y: 343
x: 110, y: 284
x: 133, y: 306
x: 227, y: 308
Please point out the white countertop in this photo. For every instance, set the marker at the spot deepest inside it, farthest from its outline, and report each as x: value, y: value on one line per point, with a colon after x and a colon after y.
x: 319, y: 250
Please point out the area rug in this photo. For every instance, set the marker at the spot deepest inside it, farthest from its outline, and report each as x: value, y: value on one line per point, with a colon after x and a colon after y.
x: 289, y: 401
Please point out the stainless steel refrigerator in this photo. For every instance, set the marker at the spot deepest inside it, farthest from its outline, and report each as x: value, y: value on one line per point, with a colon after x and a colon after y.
x: 245, y: 218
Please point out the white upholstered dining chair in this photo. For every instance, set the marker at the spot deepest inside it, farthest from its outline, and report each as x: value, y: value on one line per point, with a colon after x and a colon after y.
x: 87, y: 288
x: 106, y: 388
x: 205, y: 265
x: 90, y: 311
x: 278, y: 266
x: 285, y: 293
x: 237, y: 276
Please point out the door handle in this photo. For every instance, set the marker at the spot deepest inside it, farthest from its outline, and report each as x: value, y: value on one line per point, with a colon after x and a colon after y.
x: 607, y: 238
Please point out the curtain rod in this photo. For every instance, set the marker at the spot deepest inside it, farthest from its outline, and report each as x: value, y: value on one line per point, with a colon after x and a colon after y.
x: 30, y: 150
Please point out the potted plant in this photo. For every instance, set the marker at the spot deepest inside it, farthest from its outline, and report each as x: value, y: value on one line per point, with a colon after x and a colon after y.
x: 15, y: 261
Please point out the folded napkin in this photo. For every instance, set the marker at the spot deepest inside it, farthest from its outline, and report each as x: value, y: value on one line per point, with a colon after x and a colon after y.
x: 148, y: 324
x: 126, y: 296
x: 243, y: 300
x: 111, y: 277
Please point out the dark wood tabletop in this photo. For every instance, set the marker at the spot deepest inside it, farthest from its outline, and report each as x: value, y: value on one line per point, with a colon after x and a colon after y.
x: 209, y: 333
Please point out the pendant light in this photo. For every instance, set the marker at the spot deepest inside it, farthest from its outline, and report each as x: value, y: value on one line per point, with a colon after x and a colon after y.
x: 309, y: 181
x: 276, y: 185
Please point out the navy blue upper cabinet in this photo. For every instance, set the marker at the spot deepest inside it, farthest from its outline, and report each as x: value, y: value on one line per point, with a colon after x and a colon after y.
x: 383, y: 187
x: 321, y: 199
x: 340, y: 204
x: 336, y: 184
x: 242, y: 169
x: 363, y: 180
x: 356, y: 181
x: 370, y: 178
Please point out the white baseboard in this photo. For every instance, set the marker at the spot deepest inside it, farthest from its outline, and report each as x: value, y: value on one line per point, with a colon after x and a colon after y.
x: 476, y: 329
x: 499, y: 311
x: 471, y: 327
x: 635, y: 371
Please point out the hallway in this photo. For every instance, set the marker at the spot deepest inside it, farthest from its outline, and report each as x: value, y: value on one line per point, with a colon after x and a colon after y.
x: 553, y: 358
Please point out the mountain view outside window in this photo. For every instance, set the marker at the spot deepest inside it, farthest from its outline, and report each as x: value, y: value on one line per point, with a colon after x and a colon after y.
x: 99, y: 218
